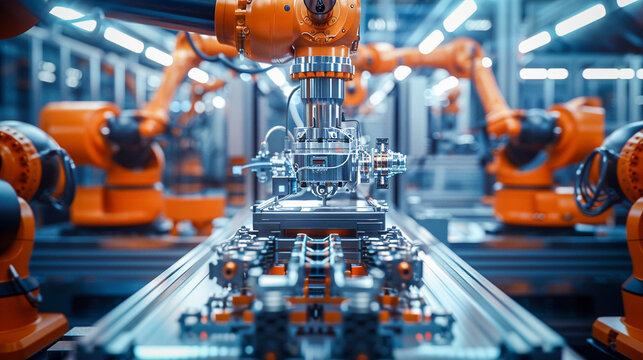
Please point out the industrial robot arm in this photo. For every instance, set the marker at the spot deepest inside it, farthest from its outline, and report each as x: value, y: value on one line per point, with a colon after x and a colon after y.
x: 197, y: 91
x: 155, y: 112
x: 462, y: 58
x: 609, y: 176
x: 32, y: 167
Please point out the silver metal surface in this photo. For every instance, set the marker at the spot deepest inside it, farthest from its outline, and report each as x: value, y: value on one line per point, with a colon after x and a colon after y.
x: 322, y: 63
x: 322, y: 98
x: 488, y: 324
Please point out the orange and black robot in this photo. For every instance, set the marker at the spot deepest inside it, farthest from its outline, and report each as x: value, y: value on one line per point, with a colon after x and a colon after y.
x: 611, y: 175
x: 125, y: 145
x: 538, y: 142
x: 32, y: 168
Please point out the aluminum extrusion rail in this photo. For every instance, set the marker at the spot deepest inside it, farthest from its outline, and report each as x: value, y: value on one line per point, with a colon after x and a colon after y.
x: 488, y: 324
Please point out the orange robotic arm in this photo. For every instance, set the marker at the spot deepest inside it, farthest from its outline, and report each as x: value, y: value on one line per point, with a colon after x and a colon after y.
x: 462, y: 58
x: 155, y: 112
x: 617, y: 180
x: 32, y: 167
x: 197, y: 91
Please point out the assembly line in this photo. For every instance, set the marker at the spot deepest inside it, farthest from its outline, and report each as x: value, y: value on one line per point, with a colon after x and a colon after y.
x: 321, y: 179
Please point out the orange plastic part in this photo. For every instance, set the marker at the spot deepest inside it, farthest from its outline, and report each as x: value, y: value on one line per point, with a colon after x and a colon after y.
x: 625, y: 334
x: 276, y: 31
x: 23, y: 331
x: 633, y: 304
x: 129, y: 196
x: 541, y: 207
x: 630, y: 167
x: 198, y: 209
x: 529, y: 197
x: 155, y: 112
x: 20, y: 162
x: 462, y: 58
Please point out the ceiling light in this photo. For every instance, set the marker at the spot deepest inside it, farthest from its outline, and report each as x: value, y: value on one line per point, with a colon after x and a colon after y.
x: 581, y: 19
x: 198, y: 75
x: 534, y: 42
x: 158, y: 56
x: 624, y: 3
x: 431, y: 42
x: 600, y: 74
x: 460, y: 15
x: 445, y: 85
x: 402, y: 72
x: 277, y: 76
x: 639, y: 74
x: 486, y: 62
x: 533, y: 73
x: 65, y: 13
x: 122, y: 39
x: 478, y: 25
x: 218, y: 102
x: 626, y: 74
x: 87, y: 25
x: 557, y: 74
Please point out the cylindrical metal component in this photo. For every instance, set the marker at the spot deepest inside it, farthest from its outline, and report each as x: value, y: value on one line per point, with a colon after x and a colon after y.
x: 322, y: 87
x: 322, y: 99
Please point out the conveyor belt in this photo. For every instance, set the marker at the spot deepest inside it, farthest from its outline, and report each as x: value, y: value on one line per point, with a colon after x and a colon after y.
x: 488, y: 324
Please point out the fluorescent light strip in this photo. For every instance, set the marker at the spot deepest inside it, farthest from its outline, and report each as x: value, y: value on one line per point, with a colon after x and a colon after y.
x: 122, y: 39
x: 534, y: 42
x: 460, y: 15
x: 158, y: 56
x: 557, y: 74
x: 431, y: 42
x: 198, y: 75
x: 533, y: 73
x: 277, y: 76
x: 639, y: 74
x: 478, y: 25
x: 445, y: 85
x: 624, y: 3
x: 581, y: 19
x: 610, y: 74
x: 87, y: 25
x: 402, y: 72
x: 65, y: 13
x: 626, y: 74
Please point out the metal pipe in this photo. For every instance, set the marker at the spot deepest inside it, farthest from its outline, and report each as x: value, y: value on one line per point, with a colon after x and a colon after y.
x: 186, y: 15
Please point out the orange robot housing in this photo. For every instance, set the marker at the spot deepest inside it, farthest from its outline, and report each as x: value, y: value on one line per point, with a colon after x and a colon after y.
x: 32, y: 166
x: 99, y: 134
x: 617, y: 180
x: 540, y: 142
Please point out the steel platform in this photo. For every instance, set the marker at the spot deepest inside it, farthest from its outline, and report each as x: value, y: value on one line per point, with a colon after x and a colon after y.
x: 488, y: 324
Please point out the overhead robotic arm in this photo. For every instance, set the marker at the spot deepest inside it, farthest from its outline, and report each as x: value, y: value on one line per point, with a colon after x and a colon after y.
x: 539, y: 142
x: 124, y: 144
x: 32, y: 167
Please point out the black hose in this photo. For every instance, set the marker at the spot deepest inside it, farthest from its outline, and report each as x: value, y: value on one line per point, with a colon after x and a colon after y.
x: 288, y: 106
x: 224, y: 60
x: 595, y: 199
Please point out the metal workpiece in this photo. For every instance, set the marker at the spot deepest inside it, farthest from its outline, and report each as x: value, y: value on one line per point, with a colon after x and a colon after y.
x: 328, y: 64
x: 469, y: 317
x: 322, y: 98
